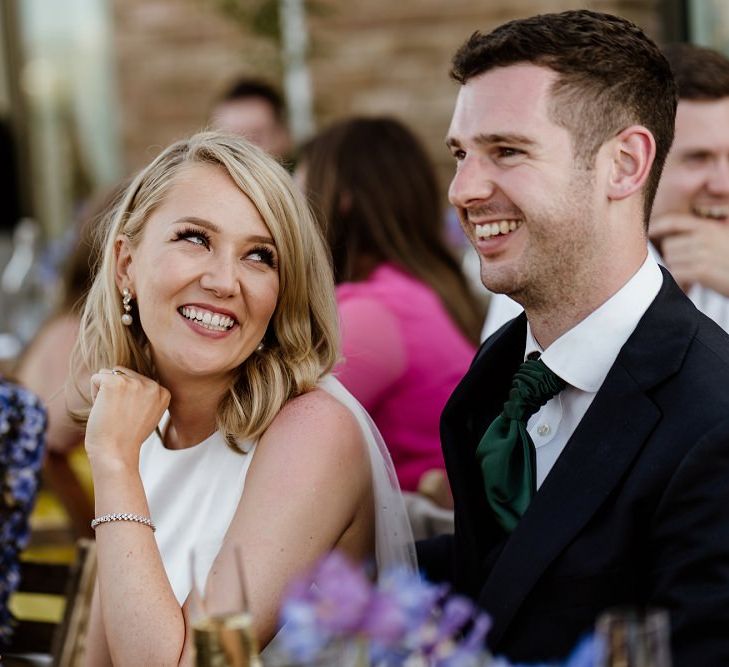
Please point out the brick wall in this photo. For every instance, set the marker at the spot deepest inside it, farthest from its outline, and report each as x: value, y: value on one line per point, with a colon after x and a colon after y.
x: 369, y: 57
x: 173, y: 58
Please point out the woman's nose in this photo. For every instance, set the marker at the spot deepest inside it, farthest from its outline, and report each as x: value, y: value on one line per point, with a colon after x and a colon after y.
x: 221, y: 276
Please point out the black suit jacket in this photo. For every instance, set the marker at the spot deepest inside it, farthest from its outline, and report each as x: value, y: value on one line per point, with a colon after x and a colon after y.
x: 634, y: 512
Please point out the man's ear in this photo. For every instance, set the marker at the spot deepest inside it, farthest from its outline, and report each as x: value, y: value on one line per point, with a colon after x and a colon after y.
x: 124, y: 270
x: 633, y: 152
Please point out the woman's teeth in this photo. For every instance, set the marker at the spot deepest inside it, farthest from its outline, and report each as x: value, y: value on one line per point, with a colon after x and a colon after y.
x: 208, y: 320
x: 488, y: 229
x: 712, y: 212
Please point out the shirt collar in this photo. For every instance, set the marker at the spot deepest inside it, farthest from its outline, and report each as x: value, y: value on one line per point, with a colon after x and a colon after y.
x: 583, y: 355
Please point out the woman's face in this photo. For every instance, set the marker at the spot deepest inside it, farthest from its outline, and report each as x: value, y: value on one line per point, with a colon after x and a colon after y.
x: 204, y: 276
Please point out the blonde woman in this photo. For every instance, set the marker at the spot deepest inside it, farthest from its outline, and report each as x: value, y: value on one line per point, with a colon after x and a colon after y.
x: 211, y: 328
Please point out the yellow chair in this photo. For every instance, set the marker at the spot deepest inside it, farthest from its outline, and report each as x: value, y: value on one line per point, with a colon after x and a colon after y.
x: 56, y: 638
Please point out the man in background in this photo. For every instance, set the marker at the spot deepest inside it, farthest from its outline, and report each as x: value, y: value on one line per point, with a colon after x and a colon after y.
x: 255, y: 110
x: 690, y: 220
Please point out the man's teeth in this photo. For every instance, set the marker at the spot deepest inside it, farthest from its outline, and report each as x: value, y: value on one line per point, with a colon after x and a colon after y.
x: 488, y: 229
x: 205, y: 318
x: 712, y: 212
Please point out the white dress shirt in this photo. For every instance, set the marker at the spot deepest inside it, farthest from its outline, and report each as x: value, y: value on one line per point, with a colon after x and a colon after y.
x: 582, y: 357
x: 710, y: 303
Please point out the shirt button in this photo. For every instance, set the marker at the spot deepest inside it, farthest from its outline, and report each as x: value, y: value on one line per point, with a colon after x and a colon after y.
x: 543, y: 429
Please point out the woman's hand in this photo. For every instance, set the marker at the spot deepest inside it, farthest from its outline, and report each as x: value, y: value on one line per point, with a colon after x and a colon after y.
x: 126, y: 408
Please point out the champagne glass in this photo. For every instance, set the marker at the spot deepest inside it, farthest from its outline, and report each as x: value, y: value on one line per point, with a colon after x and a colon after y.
x: 633, y: 637
x: 222, y: 623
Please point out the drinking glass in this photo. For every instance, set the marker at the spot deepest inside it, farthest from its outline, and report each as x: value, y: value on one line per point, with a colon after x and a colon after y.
x: 222, y: 624
x: 634, y: 638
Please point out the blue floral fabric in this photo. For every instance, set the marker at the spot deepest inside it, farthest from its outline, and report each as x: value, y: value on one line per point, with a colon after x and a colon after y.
x: 22, y: 441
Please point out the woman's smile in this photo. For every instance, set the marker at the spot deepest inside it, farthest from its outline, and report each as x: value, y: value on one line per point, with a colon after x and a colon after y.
x: 208, y: 318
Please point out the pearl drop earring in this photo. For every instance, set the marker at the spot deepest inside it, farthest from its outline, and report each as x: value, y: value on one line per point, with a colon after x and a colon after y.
x: 126, y: 318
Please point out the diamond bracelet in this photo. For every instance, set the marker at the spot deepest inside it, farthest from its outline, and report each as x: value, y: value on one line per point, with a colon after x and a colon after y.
x: 108, y: 518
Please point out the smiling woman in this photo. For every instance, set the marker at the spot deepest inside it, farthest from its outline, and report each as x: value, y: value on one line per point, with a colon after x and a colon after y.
x: 207, y: 252
x: 211, y: 418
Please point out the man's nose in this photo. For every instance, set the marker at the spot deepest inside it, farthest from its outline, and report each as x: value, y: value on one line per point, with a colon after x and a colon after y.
x: 718, y: 183
x: 471, y: 183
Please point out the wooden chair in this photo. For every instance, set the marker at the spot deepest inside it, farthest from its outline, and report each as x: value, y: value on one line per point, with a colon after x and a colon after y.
x: 62, y: 643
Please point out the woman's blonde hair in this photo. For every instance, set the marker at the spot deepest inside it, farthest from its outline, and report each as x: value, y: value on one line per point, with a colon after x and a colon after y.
x: 301, y: 343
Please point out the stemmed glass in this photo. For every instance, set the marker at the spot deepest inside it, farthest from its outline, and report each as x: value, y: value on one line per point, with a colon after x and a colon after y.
x: 634, y: 638
x: 222, y: 625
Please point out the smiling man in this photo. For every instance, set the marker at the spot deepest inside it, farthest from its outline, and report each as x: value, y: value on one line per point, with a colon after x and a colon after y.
x: 690, y: 221
x: 588, y: 445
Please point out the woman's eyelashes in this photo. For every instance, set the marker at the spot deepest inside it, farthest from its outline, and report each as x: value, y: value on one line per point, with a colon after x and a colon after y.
x: 196, y: 236
x: 260, y: 253
x: 263, y: 254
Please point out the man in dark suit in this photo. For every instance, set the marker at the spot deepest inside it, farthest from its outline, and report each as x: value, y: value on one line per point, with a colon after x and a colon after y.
x: 588, y: 445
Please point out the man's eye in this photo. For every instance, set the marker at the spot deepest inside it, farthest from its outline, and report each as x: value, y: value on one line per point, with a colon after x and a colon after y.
x: 507, y: 152
x: 459, y: 154
x: 696, y: 158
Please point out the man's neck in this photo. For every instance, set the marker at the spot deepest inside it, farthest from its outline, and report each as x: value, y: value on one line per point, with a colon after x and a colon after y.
x: 551, y: 318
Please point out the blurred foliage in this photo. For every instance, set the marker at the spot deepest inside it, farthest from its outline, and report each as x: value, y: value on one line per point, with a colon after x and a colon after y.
x: 261, y: 17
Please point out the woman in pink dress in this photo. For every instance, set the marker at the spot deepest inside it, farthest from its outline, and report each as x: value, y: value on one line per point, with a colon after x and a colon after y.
x: 409, y: 322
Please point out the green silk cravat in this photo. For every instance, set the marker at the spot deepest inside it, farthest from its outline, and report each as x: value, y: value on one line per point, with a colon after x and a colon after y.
x: 506, y: 452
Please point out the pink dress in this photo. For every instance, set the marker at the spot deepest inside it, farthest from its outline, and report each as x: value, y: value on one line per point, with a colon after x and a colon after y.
x: 403, y: 356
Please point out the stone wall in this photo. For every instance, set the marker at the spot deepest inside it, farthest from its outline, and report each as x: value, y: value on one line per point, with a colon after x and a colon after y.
x: 370, y: 57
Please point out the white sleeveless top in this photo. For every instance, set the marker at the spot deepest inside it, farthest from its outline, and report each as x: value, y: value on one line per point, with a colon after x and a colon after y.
x: 193, y: 494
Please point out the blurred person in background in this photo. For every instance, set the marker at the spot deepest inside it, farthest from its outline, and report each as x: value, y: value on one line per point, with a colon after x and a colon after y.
x: 254, y: 110
x: 689, y: 223
x: 44, y: 366
x: 409, y: 321
x: 690, y: 220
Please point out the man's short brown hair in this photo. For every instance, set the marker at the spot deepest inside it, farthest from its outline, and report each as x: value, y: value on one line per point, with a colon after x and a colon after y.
x: 610, y: 76
x: 701, y: 74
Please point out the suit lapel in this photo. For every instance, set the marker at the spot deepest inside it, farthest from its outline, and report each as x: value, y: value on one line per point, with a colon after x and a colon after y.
x: 600, y: 451
x: 472, y: 406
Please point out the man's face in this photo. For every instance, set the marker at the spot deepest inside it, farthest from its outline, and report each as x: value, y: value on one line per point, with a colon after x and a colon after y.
x: 523, y: 202
x: 695, y: 178
x: 253, y: 118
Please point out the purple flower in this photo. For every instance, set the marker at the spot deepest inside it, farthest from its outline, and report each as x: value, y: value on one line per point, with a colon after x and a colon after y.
x: 477, y: 634
x: 404, y: 619
x: 22, y: 484
x: 416, y: 597
x: 457, y: 611
x: 301, y: 636
x: 342, y: 594
x: 22, y: 427
x: 385, y: 622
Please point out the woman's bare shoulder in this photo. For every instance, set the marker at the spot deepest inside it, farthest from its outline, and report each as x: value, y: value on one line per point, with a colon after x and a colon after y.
x: 317, y: 415
x: 319, y: 425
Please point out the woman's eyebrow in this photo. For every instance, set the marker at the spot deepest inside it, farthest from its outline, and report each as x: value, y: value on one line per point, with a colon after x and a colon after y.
x: 202, y: 222
x: 211, y: 226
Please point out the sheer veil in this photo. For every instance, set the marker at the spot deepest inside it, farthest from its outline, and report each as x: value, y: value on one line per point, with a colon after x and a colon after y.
x: 394, y: 543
